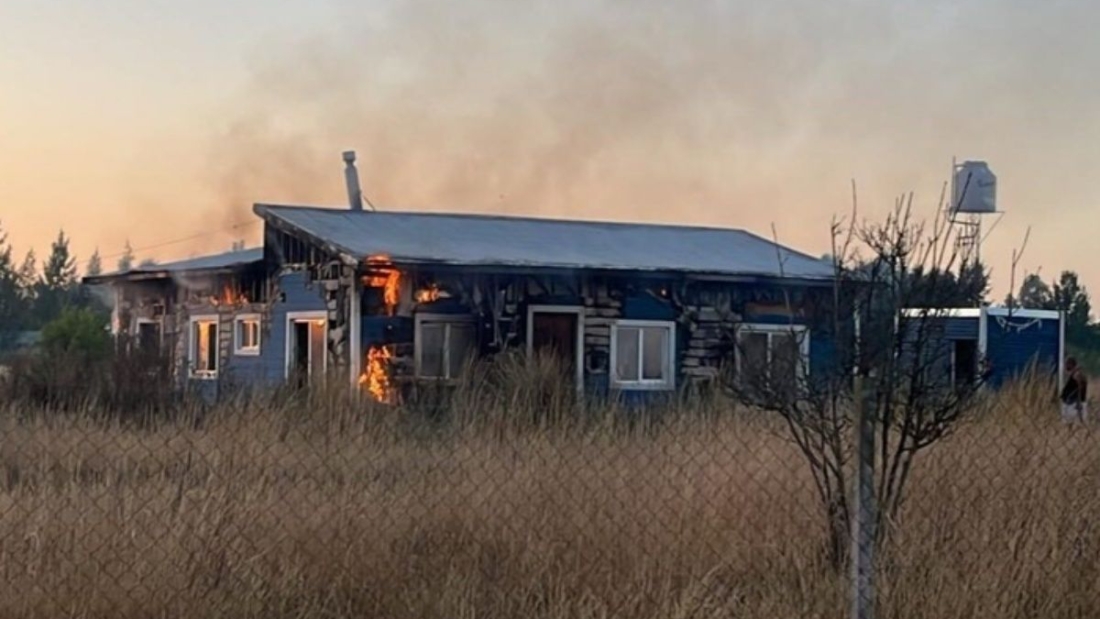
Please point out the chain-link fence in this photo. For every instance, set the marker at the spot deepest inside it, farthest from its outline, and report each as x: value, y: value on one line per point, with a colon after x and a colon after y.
x: 513, y: 502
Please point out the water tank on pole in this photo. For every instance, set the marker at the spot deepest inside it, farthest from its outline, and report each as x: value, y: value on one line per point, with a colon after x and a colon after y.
x: 974, y: 188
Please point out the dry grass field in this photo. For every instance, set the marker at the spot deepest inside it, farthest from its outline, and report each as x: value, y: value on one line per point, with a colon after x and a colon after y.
x: 320, y: 510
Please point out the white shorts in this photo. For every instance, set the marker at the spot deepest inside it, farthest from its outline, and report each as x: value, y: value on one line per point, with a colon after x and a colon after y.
x: 1075, y: 412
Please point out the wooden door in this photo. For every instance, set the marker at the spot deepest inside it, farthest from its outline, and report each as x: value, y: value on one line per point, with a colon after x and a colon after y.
x: 556, y: 334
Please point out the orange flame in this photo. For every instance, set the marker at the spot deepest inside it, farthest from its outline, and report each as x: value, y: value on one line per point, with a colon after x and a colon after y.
x: 376, y: 375
x: 429, y: 294
x: 387, y: 278
x: 392, y: 288
x: 228, y: 296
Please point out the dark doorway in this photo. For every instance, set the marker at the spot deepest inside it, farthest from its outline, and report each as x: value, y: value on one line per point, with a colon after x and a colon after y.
x: 149, y: 337
x: 554, y: 333
x: 965, y: 362
x: 301, y: 353
x: 307, y: 349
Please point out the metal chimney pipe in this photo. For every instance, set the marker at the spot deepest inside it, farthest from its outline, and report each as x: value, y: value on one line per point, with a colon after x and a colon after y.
x: 351, y: 177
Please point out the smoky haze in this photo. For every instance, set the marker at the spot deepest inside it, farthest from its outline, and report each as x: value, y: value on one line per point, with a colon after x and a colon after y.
x: 734, y: 114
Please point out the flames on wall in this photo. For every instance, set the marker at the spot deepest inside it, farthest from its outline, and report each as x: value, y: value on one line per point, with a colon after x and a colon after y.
x: 376, y: 377
x: 228, y: 296
x: 376, y: 374
x: 429, y: 294
x: 382, y: 274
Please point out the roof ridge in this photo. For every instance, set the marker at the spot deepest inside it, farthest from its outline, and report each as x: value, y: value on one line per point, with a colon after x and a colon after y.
x: 463, y: 238
x: 507, y: 217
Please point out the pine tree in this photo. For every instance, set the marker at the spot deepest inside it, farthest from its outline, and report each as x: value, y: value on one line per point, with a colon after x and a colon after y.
x: 126, y: 262
x: 59, y: 272
x: 1035, y: 293
x: 58, y: 284
x: 1073, y: 299
x: 95, y: 265
x: 28, y: 275
x: 12, y: 308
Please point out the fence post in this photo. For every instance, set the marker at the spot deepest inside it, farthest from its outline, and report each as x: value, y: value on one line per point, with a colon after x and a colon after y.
x: 863, y: 521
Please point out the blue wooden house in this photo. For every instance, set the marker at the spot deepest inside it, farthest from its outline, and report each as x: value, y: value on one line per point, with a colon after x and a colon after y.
x: 1012, y: 341
x: 391, y: 300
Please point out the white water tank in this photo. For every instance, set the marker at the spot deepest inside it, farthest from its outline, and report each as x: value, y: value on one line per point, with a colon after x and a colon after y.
x: 974, y: 188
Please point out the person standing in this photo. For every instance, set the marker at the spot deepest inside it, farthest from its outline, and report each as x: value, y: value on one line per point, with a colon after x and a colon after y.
x: 1075, y: 393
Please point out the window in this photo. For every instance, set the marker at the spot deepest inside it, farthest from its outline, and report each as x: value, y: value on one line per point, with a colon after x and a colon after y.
x: 443, y: 344
x: 204, y: 347
x: 148, y: 335
x: 773, y: 357
x: 643, y: 355
x: 246, y: 338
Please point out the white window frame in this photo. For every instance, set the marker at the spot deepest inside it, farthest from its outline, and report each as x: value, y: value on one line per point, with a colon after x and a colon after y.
x: 291, y: 319
x: 239, y: 349
x: 643, y: 384
x: 418, y: 341
x: 575, y: 310
x: 801, y: 332
x: 193, y: 346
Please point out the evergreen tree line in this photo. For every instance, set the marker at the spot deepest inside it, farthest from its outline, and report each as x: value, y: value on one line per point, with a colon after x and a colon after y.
x: 1066, y: 293
x: 34, y: 295
x: 969, y: 287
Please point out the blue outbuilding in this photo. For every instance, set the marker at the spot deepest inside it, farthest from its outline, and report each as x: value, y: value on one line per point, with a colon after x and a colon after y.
x: 1004, y: 342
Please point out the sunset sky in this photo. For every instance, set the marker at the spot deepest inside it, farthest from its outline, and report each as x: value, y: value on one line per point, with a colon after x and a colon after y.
x: 156, y: 121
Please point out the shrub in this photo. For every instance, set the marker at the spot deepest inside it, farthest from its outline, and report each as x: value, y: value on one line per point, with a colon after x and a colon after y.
x: 77, y: 332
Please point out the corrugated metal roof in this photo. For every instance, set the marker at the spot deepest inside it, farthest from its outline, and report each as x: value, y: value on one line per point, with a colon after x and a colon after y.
x: 214, y: 262
x: 461, y: 239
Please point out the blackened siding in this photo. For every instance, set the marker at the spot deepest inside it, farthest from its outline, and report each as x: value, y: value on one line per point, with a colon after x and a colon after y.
x: 704, y: 316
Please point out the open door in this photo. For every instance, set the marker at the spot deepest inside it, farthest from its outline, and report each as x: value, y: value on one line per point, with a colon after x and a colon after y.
x: 964, y: 362
x: 306, y: 350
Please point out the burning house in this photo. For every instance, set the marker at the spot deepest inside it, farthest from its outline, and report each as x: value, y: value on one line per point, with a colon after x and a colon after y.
x: 391, y: 300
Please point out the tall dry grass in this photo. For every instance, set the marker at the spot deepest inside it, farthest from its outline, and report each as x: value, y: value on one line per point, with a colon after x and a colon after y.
x: 318, y: 508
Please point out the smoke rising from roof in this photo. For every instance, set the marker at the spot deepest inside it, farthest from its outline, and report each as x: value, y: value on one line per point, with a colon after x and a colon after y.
x: 726, y: 113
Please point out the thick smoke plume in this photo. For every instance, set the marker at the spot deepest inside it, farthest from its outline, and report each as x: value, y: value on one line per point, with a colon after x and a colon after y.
x: 728, y: 113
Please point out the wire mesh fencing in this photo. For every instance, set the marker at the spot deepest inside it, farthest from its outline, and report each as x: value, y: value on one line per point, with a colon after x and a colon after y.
x: 527, y: 505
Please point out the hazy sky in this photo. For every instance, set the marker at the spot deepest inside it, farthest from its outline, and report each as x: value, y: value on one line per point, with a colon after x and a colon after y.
x: 155, y: 120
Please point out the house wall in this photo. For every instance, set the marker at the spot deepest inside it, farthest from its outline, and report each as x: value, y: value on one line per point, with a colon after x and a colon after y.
x: 292, y: 292
x: 1014, y: 344
x: 705, y: 317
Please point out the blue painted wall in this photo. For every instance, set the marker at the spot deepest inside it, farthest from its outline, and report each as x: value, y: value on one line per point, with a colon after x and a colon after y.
x: 295, y: 294
x: 1014, y: 343
x: 642, y: 307
x: 267, y: 368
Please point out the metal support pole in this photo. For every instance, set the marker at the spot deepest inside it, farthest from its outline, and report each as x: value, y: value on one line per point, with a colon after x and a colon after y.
x: 863, y: 521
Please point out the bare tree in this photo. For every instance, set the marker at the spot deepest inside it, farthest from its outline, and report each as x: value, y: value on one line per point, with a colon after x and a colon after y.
x: 887, y: 333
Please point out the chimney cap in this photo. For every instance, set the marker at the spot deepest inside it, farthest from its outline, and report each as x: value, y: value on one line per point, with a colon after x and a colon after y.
x: 349, y: 156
